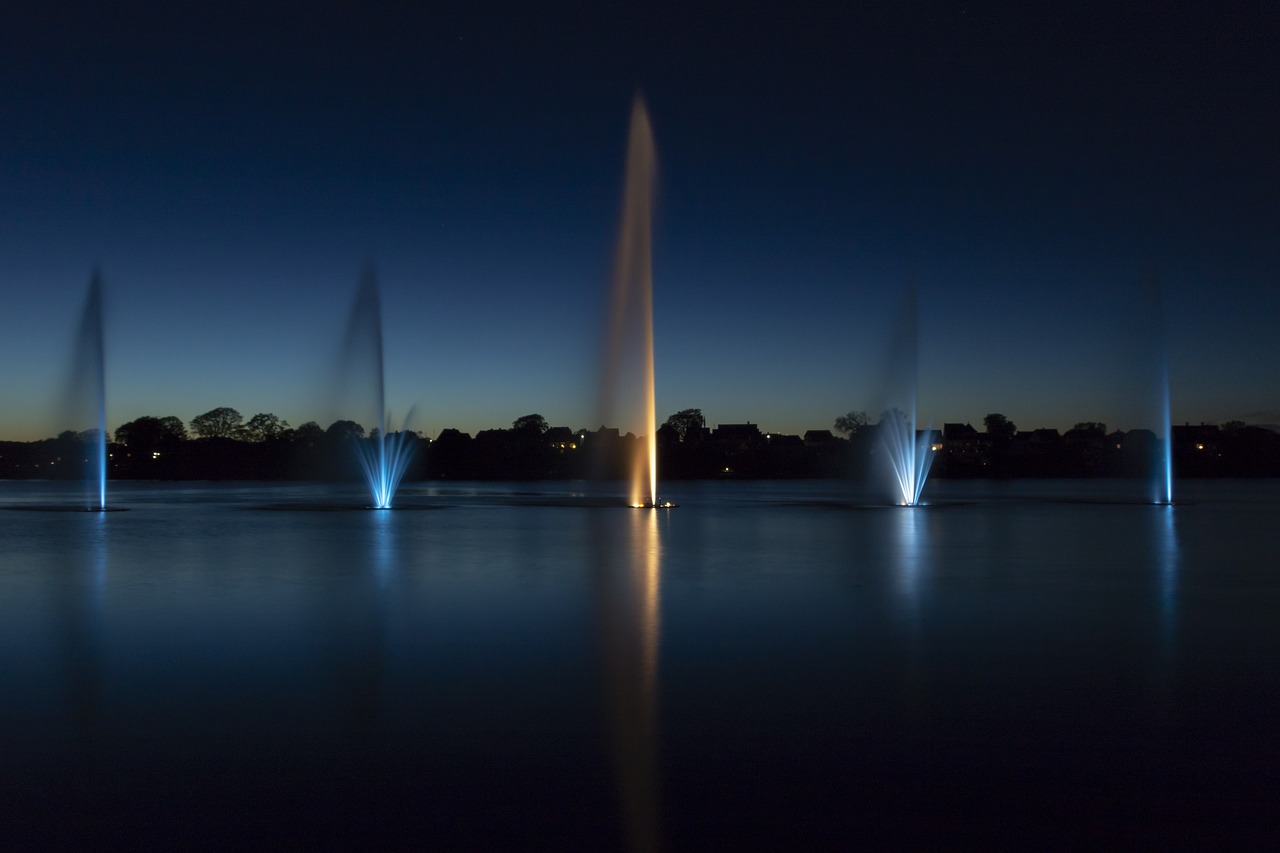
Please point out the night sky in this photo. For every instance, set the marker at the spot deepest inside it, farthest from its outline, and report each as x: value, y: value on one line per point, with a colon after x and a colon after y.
x: 232, y: 169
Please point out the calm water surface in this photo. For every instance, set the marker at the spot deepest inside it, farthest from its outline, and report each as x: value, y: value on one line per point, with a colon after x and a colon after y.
x: 770, y: 665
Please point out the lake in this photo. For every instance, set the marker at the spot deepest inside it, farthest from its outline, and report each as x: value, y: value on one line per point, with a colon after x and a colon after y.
x: 769, y: 665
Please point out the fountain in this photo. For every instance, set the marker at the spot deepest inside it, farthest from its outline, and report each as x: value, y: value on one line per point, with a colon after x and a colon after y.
x: 909, y: 454
x: 84, y: 404
x: 1139, y: 348
x: 86, y: 399
x: 908, y: 450
x: 384, y: 458
x: 1162, y: 474
x: 630, y: 327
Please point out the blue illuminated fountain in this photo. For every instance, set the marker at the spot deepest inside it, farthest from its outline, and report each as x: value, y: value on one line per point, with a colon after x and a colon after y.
x: 87, y: 393
x: 1164, y: 463
x: 384, y: 458
x: 908, y: 450
x: 909, y: 453
x: 1162, y: 477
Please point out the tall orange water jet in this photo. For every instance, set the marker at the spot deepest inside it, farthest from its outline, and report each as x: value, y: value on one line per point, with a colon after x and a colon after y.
x: 630, y: 327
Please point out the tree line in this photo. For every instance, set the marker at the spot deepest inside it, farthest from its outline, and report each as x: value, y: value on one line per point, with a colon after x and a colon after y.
x: 222, y: 444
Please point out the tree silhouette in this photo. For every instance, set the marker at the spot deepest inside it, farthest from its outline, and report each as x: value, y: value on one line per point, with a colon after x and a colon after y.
x: 342, y: 430
x: 1000, y: 428
x: 175, y: 430
x: 149, y: 432
x: 264, y: 426
x: 142, y: 433
x: 222, y: 422
x: 531, y: 424
x: 687, y: 423
x: 310, y: 432
x: 850, y: 423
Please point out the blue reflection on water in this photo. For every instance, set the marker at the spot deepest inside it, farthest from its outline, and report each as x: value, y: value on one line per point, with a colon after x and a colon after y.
x: 98, y: 550
x: 384, y: 545
x: 767, y: 653
x: 1167, y: 556
x: 910, y: 530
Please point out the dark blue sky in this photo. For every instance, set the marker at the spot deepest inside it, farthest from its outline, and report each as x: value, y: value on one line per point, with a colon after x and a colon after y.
x: 232, y: 169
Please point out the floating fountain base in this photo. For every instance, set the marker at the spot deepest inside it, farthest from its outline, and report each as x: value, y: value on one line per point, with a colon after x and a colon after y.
x: 345, y: 507
x: 658, y: 505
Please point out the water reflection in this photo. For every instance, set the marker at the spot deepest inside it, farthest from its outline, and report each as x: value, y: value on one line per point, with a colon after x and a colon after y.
x: 910, y: 576
x: 359, y: 628
x: 627, y: 590
x: 1167, y: 560
x: 383, y: 546
x: 909, y: 563
x: 79, y: 590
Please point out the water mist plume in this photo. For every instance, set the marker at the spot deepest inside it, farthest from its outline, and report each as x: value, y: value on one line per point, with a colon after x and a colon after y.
x: 630, y: 325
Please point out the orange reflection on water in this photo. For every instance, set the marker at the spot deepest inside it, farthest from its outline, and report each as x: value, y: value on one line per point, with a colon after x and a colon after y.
x: 649, y: 558
x: 629, y: 602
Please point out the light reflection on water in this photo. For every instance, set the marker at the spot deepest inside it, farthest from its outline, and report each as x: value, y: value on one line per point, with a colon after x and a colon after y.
x: 767, y: 662
x: 80, y: 634
x: 1167, y: 558
x: 628, y: 587
x: 909, y: 525
x: 910, y: 564
x: 384, y: 550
